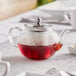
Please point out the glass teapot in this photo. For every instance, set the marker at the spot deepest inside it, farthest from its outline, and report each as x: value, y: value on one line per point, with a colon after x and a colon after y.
x: 37, y: 41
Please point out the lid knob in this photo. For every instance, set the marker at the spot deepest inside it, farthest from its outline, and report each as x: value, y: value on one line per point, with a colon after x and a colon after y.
x: 39, y: 21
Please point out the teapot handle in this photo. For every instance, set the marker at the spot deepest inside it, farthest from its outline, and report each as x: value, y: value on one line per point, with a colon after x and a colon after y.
x: 64, y: 31
x: 12, y: 35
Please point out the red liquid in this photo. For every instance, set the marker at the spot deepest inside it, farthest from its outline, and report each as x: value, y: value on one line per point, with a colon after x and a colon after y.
x: 39, y: 52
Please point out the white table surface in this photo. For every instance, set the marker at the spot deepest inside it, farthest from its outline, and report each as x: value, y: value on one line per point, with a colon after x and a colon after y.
x: 61, y: 60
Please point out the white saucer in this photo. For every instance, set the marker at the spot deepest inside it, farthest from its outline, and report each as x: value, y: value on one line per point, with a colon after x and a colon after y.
x: 72, y: 49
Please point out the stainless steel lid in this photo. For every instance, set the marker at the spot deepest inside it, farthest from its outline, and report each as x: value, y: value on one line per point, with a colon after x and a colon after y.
x: 38, y: 27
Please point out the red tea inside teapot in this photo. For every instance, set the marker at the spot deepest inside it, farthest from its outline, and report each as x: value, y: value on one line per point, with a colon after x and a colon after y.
x: 39, y: 52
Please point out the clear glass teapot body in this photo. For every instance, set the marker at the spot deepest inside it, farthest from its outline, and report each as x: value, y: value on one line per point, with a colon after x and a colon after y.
x: 38, y: 38
x: 37, y: 42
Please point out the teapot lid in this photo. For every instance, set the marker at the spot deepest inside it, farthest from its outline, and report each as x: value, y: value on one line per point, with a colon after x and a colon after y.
x: 38, y: 27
